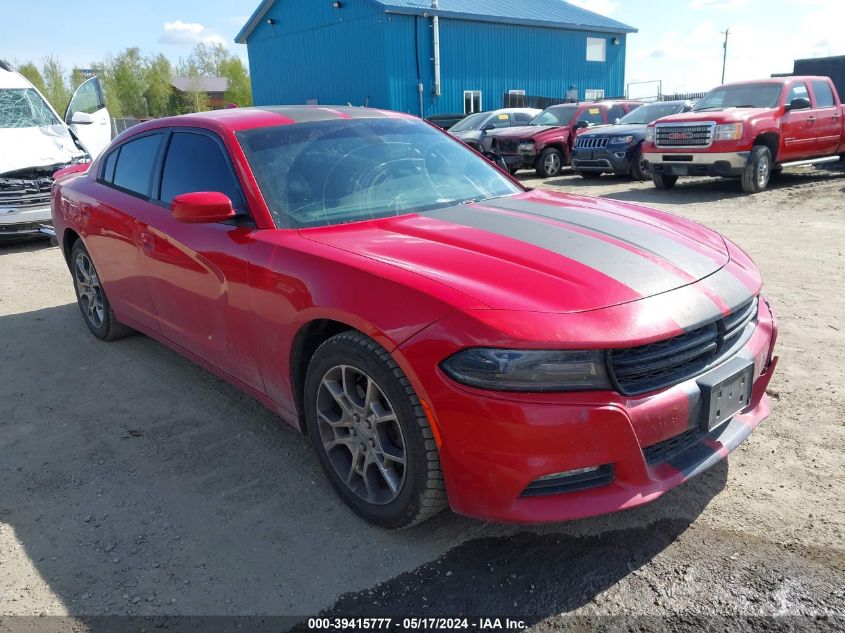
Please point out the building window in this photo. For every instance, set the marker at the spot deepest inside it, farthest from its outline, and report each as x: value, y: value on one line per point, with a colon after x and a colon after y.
x: 592, y: 94
x: 596, y: 49
x: 516, y: 99
x: 472, y: 101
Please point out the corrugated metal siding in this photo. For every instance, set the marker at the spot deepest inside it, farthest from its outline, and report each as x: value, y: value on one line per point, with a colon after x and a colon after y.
x: 314, y: 51
x: 495, y: 58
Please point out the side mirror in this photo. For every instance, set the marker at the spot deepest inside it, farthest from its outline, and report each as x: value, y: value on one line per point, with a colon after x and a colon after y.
x: 81, y: 118
x: 800, y: 103
x: 581, y: 125
x: 488, y: 127
x: 202, y: 207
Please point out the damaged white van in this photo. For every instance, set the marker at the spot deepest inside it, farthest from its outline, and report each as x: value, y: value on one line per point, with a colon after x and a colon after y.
x: 35, y: 143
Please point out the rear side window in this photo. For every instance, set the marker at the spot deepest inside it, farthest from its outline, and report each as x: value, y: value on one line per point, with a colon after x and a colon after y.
x: 196, y: 162
x: 134, y: 168
x: 107, y: 175
x: 824, y: 95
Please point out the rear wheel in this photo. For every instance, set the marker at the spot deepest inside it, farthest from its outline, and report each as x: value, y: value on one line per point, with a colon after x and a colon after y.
x: 639, y: 169
x: 371, y: 434
x: 662, y: 181
x: 550, y: 163
x: 91, y: 297
x: 758, y: 171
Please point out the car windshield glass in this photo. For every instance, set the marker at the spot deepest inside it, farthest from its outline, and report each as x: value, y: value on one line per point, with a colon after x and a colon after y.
x: 652, y: 112
x: 24, y: 107
x: 762, y: 95
x: 472, y: 122
x: 556, y: 115
x: 332, y: 172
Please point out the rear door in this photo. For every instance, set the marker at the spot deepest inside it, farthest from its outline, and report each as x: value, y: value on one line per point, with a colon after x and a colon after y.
x: 798, y: 126
x: 828, y: 118
x: 197, y: 274
x: 88, y: 117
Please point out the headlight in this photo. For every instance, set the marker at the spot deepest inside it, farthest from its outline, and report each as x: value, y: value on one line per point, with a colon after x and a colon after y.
x: 528, y: 370
x: 649, y: 134
x: 526, y: 146
x: 729, y: 132
x: 616, y: 140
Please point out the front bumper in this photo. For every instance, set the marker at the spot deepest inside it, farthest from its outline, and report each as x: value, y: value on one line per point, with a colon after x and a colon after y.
x: 494, y: 445
x: 604, y: 160
x: 697, y: 163
x: 25, y: 222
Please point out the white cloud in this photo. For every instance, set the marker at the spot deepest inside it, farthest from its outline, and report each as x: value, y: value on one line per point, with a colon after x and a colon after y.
x: 180, y: 33
x: 603, y: 7
x: 717, y: 4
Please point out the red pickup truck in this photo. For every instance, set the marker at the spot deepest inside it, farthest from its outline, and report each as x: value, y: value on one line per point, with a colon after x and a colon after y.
x: 545, y: 144
x: 749, y: 130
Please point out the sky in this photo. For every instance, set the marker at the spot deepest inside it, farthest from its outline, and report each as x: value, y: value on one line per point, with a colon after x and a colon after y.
x: 679, y: 41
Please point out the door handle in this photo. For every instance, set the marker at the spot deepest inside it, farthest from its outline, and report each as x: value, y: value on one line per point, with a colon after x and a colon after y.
x: 811, y: 118
x: 148, y: 241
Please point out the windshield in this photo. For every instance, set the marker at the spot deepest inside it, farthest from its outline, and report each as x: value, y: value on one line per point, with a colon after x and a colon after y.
x: 332, y: 172
x: 556, y: 115
x: 24, y: 107
x: 762, y: 95
x: 652, y: 112
x: 472, y: 122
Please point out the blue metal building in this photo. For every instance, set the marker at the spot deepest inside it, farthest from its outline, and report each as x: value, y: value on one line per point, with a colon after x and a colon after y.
x: 431, y: 56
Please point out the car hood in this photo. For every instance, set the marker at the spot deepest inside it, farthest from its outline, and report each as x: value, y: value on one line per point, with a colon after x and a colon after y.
x: 720, y: 116
x: 467, y: 135
x: 524, y: 131
x: 540, y: 251
x: 26, y: 147
x: 615, y: 130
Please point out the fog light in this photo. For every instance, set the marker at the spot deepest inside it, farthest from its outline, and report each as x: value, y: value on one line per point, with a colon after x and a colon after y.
x: 568, y: 473
x: 570, y: 481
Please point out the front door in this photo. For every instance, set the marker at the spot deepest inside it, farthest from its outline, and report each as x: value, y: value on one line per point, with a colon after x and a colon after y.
x: 799, y: 127
x: 197, y: 274
x: 88, y: 118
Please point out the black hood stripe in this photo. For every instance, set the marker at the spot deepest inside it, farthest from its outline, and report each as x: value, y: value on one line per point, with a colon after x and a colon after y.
x: 646, y: 238
x: 634, y: 271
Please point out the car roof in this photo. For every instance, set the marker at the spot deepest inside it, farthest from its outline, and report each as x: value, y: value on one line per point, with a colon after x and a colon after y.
x: 12, y: 79
x: 234, y: 119
x: 777, y: 80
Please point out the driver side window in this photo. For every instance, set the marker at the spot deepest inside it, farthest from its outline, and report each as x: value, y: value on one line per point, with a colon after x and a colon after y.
x: 798, y: 91
x: 195, y: 162
x: 591, y: 116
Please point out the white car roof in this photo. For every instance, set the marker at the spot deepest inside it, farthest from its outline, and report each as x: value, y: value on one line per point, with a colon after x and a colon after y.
x: 516, y: 110
x: 13, y: 80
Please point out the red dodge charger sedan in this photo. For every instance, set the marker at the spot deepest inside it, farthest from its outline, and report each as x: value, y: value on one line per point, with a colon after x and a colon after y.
x: 442, y: 335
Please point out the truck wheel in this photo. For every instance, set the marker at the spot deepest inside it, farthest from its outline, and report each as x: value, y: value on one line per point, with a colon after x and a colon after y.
x: 662, y: 181
x: 639, y: 171
x: 758, y: 171
x: 550, y: 163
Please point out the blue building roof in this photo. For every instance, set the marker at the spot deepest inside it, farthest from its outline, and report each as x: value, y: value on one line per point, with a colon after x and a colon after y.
x: 546, y: 13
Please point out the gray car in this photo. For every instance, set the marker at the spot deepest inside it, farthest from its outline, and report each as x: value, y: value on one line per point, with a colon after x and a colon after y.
x: 472, y: 129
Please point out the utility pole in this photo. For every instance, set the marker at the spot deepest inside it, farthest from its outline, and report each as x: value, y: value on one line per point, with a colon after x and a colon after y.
x: 725, y: 53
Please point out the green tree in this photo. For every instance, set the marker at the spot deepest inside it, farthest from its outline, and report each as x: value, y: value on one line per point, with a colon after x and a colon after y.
x: 240, y: 88
x: 208, y: 58
x: 159, y: 91
x: 103, y: 71
x: 129, y: 80
x: 31, y: 72
x: 56, y: 89
x: 76, y: 78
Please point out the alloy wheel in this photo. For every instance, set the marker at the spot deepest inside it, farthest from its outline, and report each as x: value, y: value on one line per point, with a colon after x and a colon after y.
x: 361, y: 435
x: 89, y: 290
x: 552, y: 163
x: 763, y: 172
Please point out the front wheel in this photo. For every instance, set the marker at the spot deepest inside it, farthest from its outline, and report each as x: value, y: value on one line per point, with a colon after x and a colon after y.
x: 662, y: 181
x: 550, y: 163
x: 758, y: 171
x: 639, y: 168
x: 91, y: 297
x: 371, y: 434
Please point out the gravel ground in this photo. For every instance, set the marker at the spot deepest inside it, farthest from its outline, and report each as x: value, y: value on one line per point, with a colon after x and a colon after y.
x: 134, y: 483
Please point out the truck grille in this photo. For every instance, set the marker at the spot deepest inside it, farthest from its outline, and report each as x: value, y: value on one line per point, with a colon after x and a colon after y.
x: 590, y: 142
x: 684, y: 135
x: 25, y: 193
x: 656, y: 365
x: 507, y: 146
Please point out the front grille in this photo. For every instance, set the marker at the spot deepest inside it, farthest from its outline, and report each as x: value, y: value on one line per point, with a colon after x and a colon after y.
x: 508, y: 147
x: 591, y: 142
x: 663, y: 451
x: 601, y: 476
x: 25, y: 193
x: 695, y: 135
x: 656, y: 365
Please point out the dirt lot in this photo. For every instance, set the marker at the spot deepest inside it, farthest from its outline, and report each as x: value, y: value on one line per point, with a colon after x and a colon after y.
x: 132, y: 482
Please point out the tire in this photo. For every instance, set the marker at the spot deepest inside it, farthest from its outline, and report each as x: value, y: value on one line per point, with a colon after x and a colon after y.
x: 638, y: 169
x: 662, y: 181
x: 550, y: 163
x: 590, y: 175
x: 361, y: 457
x: 758, y: 171
x: 91, y: 297
x: 513, y: 170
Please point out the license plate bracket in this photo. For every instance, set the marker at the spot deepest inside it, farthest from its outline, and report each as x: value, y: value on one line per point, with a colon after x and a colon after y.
x: 725, y: 392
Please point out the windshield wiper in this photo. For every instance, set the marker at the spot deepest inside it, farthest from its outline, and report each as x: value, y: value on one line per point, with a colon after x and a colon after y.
x: 707, y: 108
